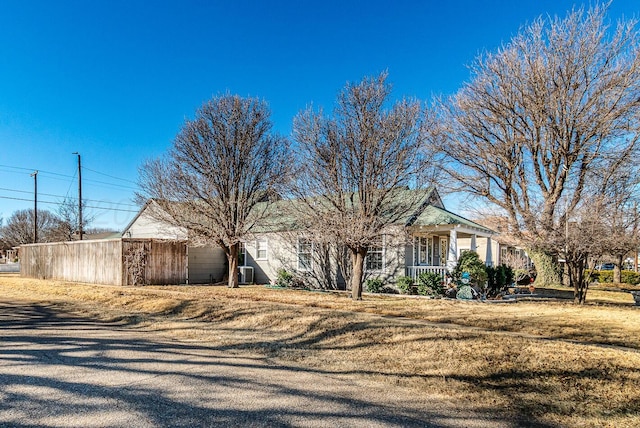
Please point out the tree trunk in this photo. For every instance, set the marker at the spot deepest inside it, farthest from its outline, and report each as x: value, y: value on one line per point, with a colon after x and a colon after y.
x: 357, y: 258
x: 547, y: 270
x: 617, y: 269
x: 580, y: 284
x: 232, y: 258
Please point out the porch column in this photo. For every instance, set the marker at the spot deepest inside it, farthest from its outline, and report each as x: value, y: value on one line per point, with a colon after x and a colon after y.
x: 452, y: 254
x: 473, y: 243
x: 488, y: 260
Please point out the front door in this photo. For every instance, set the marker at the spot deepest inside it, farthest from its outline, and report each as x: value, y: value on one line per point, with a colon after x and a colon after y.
x: 444, y: 246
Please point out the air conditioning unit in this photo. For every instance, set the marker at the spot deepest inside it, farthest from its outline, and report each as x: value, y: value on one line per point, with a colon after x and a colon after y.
x: 245, y: 274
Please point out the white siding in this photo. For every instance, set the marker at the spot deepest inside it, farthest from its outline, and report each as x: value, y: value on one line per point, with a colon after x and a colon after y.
x: 395, y: 247
x: 280, y: 254
x: 207, y: 265
x: 146, y: 227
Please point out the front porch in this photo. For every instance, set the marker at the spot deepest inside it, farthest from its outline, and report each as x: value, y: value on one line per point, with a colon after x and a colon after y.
x: 415, y: 271
x: 436, y: 248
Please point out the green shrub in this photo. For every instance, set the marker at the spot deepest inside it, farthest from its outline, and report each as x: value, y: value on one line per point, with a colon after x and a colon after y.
x: 374, y: 285
x: 509, y: 275
x: 595, y: 275
x: 405, y: 284
x: 498, y: 279
x: 284, y: 279
x: 430, y: 284
x: 492, y: 273
x: 630, y: 277
x: 469, y: 261
x: 606, y: 276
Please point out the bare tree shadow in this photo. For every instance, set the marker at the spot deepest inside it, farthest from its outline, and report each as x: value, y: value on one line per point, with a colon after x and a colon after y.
x: 59, y: 369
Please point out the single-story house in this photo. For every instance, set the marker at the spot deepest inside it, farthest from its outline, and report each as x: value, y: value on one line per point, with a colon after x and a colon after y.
x: 429, y: 239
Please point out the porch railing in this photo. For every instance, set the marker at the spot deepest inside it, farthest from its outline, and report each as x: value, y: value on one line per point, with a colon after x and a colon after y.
x: 415, y: 271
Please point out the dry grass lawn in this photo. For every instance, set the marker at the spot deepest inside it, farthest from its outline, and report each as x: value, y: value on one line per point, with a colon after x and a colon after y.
x: 541, y: 363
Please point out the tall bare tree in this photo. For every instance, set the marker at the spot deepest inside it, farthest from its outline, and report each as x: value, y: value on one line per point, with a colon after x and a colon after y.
x: 354, y: 164
x: 68, y: 215
x: 221, y: 166
x: 620, y: 217
x: 19, y: 228
x: 541, y: 120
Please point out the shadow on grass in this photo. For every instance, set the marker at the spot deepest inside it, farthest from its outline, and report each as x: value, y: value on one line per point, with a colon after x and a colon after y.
x: 52, y: 341
x: 60, y: 370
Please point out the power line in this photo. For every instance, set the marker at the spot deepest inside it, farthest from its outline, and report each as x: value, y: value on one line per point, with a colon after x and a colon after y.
x: 63, y: 197
x: 55, y: 174
x: 107, y: 175
x: 122, y: 186
x: 58, y: 203
x: 32, y: 169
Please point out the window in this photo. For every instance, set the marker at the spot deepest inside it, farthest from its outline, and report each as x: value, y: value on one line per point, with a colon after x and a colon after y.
x: 423, y: 251
x: 242, y: 254
x: 375, y: 256
x: 261, y: 249
x: 305, y: 254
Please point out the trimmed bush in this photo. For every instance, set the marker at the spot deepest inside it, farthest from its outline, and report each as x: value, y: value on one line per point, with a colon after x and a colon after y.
x: 498, y: 279
x: 606, y: 276
x: 430, y: 284
x: 469, y: 261
x: 630, y: 277
x: 405, y: 284
x: 284, y: 279
x: 374, y: 285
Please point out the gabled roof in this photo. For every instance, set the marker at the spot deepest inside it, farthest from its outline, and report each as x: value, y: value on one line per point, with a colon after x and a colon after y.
x: 135, y: 218
x: 435, y: 216
x: 426, y: 209
x: 281, y: 215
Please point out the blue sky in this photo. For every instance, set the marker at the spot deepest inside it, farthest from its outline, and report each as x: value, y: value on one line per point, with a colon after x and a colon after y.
x: 114, y: 80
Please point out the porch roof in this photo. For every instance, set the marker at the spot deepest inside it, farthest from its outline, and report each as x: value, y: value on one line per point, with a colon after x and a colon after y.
x: 433, y: 217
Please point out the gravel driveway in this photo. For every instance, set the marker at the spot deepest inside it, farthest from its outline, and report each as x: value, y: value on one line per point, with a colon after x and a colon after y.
x: 58, y: 370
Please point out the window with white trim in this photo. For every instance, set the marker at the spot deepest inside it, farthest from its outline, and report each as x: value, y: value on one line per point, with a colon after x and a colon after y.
x: 242, y: 254
x: 305, y: 254
x: 261, y: 249
x: 423, y: 250
x: 375, y: 256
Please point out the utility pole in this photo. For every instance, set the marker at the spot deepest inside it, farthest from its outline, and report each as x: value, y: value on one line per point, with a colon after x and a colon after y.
x: 79, y: 196
x: 35, y: 206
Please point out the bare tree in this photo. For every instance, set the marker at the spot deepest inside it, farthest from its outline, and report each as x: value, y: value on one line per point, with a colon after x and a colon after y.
x: 68, y: 215
x: 222, y: 165
x: 541, y: 121
x: 19, y: 228
x: 620, y: 217
x: 355, y: 163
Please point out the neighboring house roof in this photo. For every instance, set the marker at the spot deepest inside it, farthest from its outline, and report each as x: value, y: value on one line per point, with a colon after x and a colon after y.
x: 102, y: 235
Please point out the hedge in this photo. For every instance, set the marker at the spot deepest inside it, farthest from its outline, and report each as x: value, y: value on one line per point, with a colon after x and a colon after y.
x: 606, y: 276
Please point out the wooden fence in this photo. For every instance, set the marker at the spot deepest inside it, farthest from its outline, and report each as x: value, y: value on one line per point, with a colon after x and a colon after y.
x: 114, y: 261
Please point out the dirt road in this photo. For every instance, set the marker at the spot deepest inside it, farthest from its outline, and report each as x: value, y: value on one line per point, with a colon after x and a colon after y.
x: 57, y: 369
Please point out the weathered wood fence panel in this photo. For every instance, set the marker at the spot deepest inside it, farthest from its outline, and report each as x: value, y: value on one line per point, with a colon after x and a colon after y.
x: 147, y: 261
x: 113, y: 261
